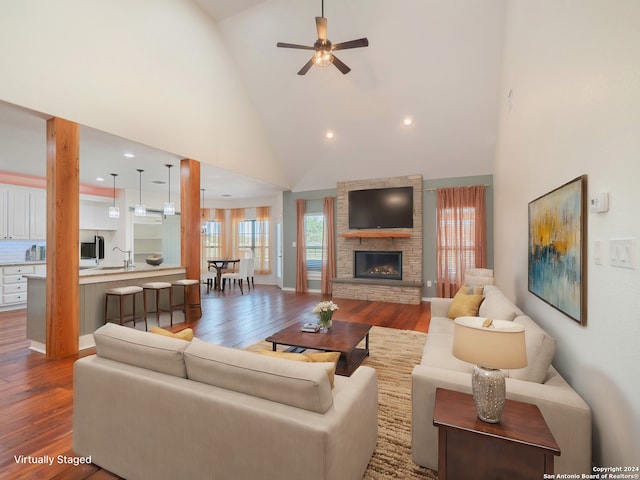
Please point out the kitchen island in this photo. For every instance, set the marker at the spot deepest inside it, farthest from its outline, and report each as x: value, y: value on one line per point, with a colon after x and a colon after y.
x: 94, y: 282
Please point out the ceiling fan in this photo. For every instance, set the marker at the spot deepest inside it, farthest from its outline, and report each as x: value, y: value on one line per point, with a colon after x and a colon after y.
x: 323, y: 55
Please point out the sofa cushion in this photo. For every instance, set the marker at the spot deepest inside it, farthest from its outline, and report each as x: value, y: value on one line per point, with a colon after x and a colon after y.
x: 141, y: 349
x: 470, y: 290
x: 496, y: 306
x: 186, y: 334
x: 541, y: 348
x: 327, y: 360
x: 464, y: 305
x: 437, y: 353
x: 299, y: 384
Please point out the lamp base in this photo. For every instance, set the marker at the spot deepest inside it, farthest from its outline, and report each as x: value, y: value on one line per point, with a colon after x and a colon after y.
x: 489, y: 393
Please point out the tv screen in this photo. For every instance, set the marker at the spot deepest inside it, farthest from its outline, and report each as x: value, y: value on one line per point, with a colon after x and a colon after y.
x: 381, y: 208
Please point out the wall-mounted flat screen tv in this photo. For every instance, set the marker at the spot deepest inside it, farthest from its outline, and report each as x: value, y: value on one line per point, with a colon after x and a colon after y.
x: 381, y: 208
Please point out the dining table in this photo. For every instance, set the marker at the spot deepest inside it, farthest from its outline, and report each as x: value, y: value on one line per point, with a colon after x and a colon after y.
x: 220, y: 265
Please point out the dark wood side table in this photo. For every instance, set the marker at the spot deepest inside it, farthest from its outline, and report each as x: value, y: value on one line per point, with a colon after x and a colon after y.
x: 520, y: 446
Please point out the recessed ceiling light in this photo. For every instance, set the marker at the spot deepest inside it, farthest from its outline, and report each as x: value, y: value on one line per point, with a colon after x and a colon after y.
x: 128, y: 155
x: 329, y: 135
x: 99, y: 179
x: 407, y: 122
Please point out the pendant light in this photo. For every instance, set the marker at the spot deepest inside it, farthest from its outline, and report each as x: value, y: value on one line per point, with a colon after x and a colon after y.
x: 169, y: 207
x: 140, y: 210
x: 114, y: 212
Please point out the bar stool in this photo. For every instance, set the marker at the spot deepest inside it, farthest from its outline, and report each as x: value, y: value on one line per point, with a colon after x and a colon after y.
x: 185, y: 283
x: 157, y: 287
x: 122, y: 292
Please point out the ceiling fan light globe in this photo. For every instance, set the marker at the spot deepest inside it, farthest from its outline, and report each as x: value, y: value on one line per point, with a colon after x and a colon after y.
x: 322, y: 58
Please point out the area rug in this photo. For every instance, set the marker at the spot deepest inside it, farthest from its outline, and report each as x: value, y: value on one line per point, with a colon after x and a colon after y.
x: 393, y: 354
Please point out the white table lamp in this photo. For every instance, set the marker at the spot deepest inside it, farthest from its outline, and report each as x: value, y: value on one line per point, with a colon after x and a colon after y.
x: 491, y: 345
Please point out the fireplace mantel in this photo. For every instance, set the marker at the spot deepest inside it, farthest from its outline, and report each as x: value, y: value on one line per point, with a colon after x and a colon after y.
x: 377, y: 234
x: 346, y: 283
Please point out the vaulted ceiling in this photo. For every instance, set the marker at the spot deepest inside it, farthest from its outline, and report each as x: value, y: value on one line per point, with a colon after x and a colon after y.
x: 436, y: 62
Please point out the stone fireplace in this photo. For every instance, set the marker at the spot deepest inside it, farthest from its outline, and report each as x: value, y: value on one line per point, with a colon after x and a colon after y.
x: 379, y: 282
x: 383, y: 265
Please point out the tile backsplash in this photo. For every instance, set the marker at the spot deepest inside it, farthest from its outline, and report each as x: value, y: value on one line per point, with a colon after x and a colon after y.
x: 20, y: 251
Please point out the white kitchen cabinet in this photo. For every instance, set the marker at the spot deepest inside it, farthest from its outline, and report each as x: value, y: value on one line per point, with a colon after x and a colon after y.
x: 23, y: 213
x: 38, y: 214
x: 14, y: 213
x: 3, y: 213
x: 13, y: 285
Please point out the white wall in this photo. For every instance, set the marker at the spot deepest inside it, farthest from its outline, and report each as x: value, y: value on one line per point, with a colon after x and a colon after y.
x: 574, y: 68
x: 153, y: 71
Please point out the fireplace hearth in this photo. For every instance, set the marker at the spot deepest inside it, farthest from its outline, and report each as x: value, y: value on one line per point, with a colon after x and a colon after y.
x: 381, y: 265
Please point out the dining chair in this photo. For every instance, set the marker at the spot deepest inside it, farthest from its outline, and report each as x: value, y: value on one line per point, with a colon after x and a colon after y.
x: 210, y: 279
x: 241, y: 273
x: 250, y: 270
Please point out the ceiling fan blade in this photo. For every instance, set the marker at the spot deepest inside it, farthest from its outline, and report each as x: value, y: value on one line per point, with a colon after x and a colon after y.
x: 321, y: 26
x: 361, y: 42
x: 306, y: 67
x: 293, y: 45
x: 339, y: 65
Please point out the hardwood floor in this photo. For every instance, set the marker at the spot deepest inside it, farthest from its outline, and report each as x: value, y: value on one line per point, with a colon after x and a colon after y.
x: 36, y: 394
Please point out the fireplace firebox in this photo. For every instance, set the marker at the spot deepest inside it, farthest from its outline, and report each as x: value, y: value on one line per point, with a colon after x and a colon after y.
x: 381, y: 265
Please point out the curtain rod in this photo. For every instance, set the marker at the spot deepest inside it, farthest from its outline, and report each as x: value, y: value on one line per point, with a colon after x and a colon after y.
x: 436, y: 189
x: 319, y: 198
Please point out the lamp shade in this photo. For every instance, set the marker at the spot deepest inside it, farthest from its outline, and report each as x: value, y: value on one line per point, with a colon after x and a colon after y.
x: 501, y: 345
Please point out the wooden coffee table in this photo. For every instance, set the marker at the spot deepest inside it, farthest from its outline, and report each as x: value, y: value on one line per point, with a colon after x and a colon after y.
x: 342, y: 337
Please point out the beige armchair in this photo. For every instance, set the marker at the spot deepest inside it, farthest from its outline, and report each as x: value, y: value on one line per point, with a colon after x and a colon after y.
x: 478, y: 277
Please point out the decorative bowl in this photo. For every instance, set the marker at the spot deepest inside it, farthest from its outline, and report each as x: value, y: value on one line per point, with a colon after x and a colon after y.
x: 154, y: 259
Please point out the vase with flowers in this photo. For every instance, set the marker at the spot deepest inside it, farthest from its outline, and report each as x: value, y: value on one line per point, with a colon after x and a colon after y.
x: 325, y: 310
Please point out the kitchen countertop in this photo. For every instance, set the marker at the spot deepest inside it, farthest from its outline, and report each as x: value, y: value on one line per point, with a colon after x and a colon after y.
x: 112, y: 273
x: 30, y: 262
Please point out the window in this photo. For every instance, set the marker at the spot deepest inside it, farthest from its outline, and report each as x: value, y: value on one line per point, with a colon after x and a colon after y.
x: 313, y: 233
x: 212, y: 240
x: 253, y: 241
x: 458, y: 240
x: 461, y: 236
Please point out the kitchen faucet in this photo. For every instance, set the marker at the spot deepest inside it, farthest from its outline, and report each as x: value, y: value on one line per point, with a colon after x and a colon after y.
x: 129, y: 263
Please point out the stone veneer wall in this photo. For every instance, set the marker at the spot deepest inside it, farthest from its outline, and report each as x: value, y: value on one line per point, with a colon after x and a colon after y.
x: 409, y: 289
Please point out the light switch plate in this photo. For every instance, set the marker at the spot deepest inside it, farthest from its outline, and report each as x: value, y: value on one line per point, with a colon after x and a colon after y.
x: 622, y: 252
x: 597, y: 252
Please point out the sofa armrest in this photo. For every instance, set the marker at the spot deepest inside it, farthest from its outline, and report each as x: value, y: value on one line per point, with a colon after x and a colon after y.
x: 440, y: 306
x: 566, y: 414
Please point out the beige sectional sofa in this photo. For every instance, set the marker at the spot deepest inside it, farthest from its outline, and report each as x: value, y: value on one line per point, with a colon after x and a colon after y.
x: 153, y: 407
x: 566, y: 414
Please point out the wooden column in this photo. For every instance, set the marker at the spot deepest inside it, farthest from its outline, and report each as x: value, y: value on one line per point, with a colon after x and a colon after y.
x: 63, y: 209
x: 190, y: 232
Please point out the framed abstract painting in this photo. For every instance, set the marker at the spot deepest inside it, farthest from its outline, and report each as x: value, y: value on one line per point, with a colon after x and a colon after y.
x: 557, y: 248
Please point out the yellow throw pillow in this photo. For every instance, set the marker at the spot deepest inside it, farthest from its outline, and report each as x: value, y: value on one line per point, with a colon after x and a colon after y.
x: 328, y: 360
x: 186, y: 334
x: 464, y: 305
